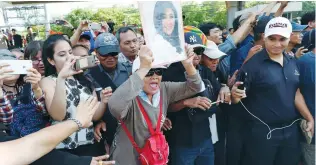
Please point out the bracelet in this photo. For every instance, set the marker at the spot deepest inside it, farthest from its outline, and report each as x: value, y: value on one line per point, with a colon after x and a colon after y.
x: 77, y: 122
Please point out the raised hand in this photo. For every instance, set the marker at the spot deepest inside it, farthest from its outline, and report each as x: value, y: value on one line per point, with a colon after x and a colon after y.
x: 33, y: 77
x: 106, y: 94
x: 146, y: 57
x: 3, y: 72
x: 68, y: 68
x: 300, y: 51
x: 86, y: 110
x: 190, y: 55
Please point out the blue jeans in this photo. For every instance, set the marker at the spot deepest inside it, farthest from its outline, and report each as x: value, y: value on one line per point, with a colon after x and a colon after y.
x: 197, y: 155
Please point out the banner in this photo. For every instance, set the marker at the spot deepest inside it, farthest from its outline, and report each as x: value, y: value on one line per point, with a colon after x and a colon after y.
x: 163, y: 30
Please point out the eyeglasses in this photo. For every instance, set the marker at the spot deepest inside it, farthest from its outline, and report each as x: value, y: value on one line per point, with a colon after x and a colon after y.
x: 151, y: 72
x: 36, y: 61
x: 198, y: 50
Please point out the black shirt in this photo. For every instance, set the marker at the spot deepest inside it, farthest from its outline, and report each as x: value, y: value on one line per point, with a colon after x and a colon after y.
x: 271, y: 88
x: 190, y: 126
x: 18, y: 42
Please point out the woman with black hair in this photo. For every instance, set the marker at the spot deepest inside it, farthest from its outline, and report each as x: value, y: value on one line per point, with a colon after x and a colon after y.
x: 166, y: 22
x: 11, y: 95
x: 64, y: 87
x: 33, y: 51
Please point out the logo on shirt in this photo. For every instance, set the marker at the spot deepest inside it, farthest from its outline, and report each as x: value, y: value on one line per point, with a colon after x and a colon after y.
x: 296, y: 73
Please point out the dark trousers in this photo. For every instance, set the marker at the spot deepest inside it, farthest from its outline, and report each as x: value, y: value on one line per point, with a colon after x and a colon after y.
x: 220, y: 146
x: 282, y: 149
x: 234, y: 140
x: 96, y: 149
x: 203, y: 154
x: 56, y: 157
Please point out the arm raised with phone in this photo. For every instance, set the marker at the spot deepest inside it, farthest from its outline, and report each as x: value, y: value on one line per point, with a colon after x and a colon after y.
x: 55, y: 91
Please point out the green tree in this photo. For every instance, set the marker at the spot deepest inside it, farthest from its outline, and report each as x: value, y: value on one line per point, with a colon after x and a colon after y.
x: 213, y: 11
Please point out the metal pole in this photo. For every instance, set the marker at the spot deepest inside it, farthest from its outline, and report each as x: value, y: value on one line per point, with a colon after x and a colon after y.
x: 47, y: 21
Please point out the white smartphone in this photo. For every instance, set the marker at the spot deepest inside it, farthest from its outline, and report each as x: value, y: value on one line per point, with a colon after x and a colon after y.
x: 18, y: 66
x: 94, y: 26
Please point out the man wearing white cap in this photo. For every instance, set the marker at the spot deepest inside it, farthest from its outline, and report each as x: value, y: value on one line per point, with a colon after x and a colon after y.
x: 211, y: 55
x: 268, y: 86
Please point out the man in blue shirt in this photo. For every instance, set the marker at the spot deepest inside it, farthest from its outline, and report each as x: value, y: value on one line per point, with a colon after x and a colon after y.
x: 109, y: 73
x: 272, y: 96
x: 306, y: 64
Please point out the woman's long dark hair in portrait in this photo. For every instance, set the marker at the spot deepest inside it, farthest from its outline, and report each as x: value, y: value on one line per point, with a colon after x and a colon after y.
x: 159, y: 15
x: 48, y: 53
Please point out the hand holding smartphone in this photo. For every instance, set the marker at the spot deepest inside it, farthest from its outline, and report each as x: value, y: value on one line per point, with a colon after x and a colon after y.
x: 85, y: 63
x: 243, y: 76
x: 18, y: 66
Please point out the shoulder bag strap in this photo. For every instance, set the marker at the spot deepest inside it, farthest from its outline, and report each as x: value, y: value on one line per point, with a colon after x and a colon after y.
x: 130, y: 137
x: 142, y: 110
x: 160, y: 115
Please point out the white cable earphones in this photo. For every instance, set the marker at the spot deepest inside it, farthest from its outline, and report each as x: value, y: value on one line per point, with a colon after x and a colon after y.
x: 270, y: 131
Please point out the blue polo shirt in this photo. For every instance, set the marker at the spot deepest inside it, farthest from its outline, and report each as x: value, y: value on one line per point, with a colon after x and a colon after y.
x: 306, y: 64
x: 271, y: 89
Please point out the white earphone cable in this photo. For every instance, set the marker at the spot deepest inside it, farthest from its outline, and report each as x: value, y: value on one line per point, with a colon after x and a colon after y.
x: 270, y: 131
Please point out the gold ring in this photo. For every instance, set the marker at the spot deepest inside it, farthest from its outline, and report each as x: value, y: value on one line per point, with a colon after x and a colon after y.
x: 100, y: 162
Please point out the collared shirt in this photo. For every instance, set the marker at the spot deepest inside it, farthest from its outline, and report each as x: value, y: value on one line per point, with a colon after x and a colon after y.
x: 271, y: 88
x: 120, y: 74
x: 156, y: 98
x: 124, y: 60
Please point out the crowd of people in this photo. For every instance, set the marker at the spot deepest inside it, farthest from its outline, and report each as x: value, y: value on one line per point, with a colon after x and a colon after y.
x: 243, y: 96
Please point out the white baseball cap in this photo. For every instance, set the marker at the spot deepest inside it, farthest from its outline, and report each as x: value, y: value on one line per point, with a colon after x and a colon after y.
x: 280, y: 26
x: 212, y: 50
x: 136, y: 65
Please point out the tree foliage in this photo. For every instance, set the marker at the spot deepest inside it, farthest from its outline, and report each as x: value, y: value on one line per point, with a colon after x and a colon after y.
x: 208, y: 11
x: 194, y: 13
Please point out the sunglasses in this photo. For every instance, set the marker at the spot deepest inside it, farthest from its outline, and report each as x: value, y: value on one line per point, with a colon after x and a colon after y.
x: 151, y: 72
x: 113, y: 54
x: 198, y: 50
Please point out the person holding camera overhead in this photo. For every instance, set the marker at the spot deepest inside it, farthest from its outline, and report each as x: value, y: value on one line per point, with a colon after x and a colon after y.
x: 64, y: 87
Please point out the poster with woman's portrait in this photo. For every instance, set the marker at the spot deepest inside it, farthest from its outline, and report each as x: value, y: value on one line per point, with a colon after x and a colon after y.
x: 163, y: 30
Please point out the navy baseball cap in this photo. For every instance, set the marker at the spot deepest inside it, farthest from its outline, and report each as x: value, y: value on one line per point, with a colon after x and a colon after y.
x: 193, y: 39
x: 297, y: 27
x: 261, y: 24
x: 85, y: 35
x: 106, y: 43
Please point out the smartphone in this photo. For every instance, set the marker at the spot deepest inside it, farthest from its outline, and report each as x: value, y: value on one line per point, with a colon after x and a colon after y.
x: 18, y: 66
x: 85, y: 63
x: 243, y: 76
x: 94, y: 26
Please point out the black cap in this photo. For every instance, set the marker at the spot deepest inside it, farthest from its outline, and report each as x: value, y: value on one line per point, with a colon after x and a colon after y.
x: 261, y: 24
x: 308, y: 40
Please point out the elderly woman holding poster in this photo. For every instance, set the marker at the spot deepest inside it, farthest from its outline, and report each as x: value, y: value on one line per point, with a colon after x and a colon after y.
x: 163, y: 30
x: 141, y: 104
